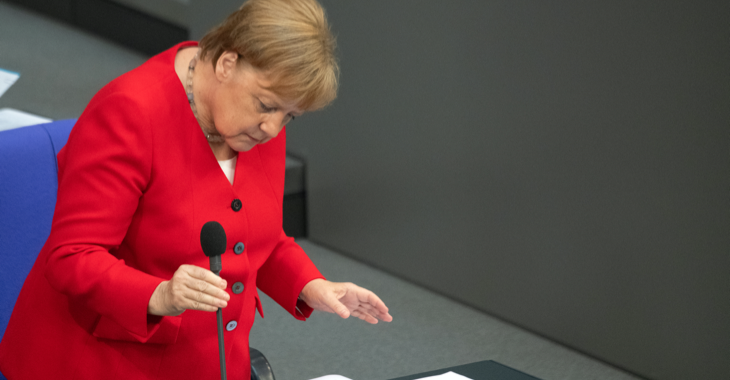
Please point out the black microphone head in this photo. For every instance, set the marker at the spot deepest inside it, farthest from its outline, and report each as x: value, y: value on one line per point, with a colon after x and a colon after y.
x: 213, y: 239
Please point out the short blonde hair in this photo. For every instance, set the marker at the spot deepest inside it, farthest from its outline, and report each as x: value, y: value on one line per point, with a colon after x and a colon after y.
x: 288, y: 39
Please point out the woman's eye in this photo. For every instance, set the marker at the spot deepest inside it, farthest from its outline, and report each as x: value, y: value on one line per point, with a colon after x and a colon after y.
x: 266, y: 108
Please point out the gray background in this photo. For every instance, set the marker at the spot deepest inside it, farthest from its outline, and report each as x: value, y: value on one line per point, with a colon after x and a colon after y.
x: 565, y: 166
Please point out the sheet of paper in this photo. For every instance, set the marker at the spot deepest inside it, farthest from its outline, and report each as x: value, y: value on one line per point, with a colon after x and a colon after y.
x: 12, y: 118
x: 332, y: 377
x: 7, y: 78
x: 447, y: 376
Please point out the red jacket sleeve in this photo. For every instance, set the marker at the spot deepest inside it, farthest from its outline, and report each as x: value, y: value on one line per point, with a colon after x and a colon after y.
x: 284, y: 275
x: 288, y: 268
x: 103, y: 171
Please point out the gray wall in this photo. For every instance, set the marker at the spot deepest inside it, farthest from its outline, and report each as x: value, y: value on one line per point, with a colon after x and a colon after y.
x: 205, y: 14
x: 565, y: 166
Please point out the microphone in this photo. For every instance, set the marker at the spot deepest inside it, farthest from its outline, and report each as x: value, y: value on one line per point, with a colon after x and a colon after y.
x: 213, y: 242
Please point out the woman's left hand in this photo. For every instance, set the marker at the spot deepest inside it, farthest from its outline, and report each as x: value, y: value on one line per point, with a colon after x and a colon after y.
x: 345, y: 299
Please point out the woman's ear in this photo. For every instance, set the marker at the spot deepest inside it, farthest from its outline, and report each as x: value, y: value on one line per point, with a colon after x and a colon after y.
x: 226, y: 65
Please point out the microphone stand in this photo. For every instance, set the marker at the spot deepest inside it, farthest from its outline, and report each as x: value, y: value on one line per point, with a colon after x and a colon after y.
x: 215, y: 267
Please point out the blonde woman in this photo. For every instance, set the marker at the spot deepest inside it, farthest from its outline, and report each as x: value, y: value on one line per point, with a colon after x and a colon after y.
x: 196, y: 134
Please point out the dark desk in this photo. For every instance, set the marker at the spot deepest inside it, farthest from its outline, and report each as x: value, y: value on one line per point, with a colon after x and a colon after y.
x: 484, y: 370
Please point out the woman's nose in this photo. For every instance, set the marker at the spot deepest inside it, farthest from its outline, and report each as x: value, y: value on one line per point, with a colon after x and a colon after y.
x: 273, y: 125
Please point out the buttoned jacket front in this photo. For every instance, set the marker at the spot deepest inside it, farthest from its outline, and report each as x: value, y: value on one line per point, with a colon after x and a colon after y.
x: 137, y: 181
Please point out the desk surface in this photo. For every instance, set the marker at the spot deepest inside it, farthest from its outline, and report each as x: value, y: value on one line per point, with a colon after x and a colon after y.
x: 484, y: 370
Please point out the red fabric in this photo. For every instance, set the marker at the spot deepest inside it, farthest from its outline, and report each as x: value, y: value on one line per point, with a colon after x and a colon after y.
x: 137, y: 181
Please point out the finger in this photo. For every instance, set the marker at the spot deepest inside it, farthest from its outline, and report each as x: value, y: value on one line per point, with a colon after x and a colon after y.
x: 333, y: 303
x: 364, y: 316
x: 363, y: 308
x: 385, y: 317
x: 200, y: 301
x: 369, y: 302
x: 373, y: 310
x: 365, y: 296
x: 205, y: 275
x: 377, y: 308
x: 374, y: 314
x: 183, y: 298
x: 206, y: 288
x: 374, y: 305
x: 192, y: 305
x: 366, y: 312
x: 375, y: 301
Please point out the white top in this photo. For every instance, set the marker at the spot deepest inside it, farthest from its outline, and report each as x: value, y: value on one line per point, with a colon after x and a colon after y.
x: 229, y: 168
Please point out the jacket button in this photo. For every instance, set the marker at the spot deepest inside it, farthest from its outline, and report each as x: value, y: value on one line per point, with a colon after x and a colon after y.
x: 231, y: 325
x: 237, y: 288
x: 236, y: 205
x: 238, y: 248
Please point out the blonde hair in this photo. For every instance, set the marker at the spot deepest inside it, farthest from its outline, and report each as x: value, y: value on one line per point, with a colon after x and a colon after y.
x: 288, y: 39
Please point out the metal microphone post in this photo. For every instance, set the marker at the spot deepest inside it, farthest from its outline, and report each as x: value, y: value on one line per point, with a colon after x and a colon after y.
x: 215, y: 267
x: 213, y: 242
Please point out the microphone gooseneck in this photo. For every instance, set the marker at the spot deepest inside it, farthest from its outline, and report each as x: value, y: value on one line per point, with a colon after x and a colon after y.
x: 213, y: 242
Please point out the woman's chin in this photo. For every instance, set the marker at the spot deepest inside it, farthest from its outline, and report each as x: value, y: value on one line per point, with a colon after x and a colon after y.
x: 241, y: 146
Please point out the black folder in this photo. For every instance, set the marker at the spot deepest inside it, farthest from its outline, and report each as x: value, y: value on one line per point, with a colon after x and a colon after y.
x: 484, y: 370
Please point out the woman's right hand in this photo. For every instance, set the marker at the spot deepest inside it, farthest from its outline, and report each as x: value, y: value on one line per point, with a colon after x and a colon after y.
x: 191, y: 288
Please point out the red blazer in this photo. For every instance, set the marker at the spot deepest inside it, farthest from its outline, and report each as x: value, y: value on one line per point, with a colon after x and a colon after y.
x: 137, y: 181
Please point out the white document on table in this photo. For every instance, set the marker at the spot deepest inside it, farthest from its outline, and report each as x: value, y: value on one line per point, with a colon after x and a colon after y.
x: 7, y: 78
x: 12, y: 118
x: 447, y: 376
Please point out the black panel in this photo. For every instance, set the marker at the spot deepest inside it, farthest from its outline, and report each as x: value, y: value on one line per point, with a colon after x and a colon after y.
x: 60, y: 9
x: 486, y: 369
x: 295, y: 216
x: 127, y: 26
x: 116, y: 22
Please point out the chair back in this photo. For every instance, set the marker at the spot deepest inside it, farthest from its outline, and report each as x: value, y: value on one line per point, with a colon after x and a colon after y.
x: 28, y: 184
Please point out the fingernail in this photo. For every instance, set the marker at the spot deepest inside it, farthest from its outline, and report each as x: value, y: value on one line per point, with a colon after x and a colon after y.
x: 223, y: 283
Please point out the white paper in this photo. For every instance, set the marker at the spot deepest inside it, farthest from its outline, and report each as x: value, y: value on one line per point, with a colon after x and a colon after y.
x: 7, y: 78
x: 332, y: 377
x: 12, y: 118
x: 447, y: 376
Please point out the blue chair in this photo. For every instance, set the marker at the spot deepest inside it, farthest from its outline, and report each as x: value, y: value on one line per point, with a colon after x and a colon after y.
x: 28, y: 186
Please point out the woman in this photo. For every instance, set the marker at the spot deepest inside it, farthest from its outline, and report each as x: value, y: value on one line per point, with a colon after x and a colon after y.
x: 195, y: 134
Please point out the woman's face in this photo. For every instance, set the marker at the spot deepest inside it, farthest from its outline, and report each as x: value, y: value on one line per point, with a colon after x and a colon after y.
x: 244, y: 113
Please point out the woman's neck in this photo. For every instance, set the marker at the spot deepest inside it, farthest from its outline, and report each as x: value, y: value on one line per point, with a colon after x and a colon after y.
x: 221, y: 150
